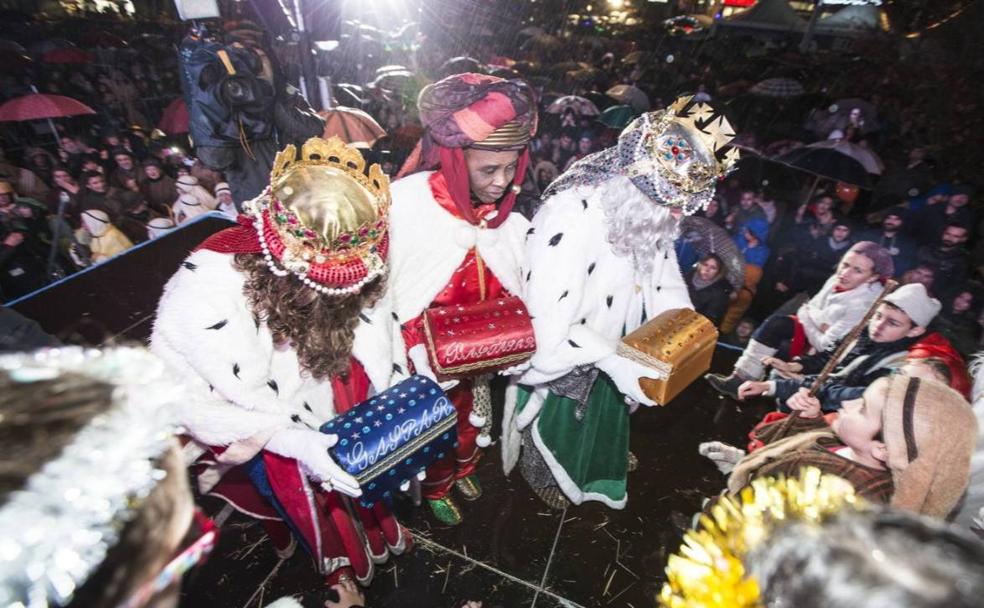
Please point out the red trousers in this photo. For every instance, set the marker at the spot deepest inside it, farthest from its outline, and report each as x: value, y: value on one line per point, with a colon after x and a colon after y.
x: 462, y: 461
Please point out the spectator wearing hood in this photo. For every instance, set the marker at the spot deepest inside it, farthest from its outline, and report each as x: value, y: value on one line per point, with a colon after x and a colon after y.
x: 957, y: 322
x: 709, y: 289
x: 751, y: 241
x: 23, y: 180
x: 41, y: 162
x: 157, y: 187
x: 188, y: 184
x: 104, y: 239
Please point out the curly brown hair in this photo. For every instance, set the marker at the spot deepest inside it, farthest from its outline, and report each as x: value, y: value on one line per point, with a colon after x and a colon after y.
x: 318, y: 327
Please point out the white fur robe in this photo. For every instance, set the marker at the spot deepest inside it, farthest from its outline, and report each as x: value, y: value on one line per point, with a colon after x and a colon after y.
x: 427, y: 244
x: 244, y: 387
x: 582, y: 297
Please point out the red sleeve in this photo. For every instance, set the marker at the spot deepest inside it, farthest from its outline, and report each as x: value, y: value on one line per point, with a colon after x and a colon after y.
x: 413, y: 332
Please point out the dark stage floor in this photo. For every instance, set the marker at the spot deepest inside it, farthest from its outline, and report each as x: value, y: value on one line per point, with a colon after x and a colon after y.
x: 512, y: 550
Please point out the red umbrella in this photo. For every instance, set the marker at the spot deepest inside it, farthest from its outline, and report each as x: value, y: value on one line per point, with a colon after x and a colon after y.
x: 102, y: 38
x: 39, y: 106
x: 67, y: 56
x: 175, y: 118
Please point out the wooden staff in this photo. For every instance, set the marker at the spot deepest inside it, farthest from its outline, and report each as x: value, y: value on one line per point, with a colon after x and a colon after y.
x: 850, y: 338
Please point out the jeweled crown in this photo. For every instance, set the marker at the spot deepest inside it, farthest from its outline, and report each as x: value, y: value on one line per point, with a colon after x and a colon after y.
x: 331, y: 153
x: 686, y: 144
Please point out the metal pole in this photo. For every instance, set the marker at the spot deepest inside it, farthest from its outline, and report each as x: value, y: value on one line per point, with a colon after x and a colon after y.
x: 56, y: 235
x: 811, y: 27
x: 308, y: 82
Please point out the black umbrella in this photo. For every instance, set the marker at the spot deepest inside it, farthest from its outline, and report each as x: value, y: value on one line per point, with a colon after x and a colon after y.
x: 827, y: 163
x: 707, y: 237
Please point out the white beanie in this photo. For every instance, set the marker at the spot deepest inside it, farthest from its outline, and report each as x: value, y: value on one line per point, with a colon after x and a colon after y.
x: 222, y: 187
x: 189, y: 199
x: 913, y: 300
x: 188, y: 180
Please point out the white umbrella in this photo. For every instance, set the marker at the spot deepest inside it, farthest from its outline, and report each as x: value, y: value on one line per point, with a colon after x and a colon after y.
x: 580, y: 105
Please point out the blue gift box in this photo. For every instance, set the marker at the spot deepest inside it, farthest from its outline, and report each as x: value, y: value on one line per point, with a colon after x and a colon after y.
x: 393, y: 436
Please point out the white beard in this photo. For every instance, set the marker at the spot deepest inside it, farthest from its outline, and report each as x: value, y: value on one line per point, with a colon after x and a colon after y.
x: 637, y: 227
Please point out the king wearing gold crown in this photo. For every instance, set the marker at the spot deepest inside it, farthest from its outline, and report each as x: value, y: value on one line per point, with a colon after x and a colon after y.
x: 279, y: 324
x: 599, y: 262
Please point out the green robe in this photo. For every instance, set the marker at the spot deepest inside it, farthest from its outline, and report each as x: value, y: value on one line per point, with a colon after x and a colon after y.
x: 588, y: 458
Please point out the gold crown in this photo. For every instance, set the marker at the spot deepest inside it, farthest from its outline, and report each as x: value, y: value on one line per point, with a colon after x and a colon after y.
x: 331, y: 152
x: 691, y: 160
x: 709, y: 569
x: 512, y: 134
x: 315, y: 203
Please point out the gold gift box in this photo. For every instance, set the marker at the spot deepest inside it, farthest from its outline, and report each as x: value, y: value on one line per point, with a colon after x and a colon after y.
x: 679, y: 343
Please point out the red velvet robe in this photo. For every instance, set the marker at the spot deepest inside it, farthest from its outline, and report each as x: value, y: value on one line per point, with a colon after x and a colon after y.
x: 471, y: 282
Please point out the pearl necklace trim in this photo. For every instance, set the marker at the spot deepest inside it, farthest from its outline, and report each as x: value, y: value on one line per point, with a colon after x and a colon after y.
x: 324, y: 289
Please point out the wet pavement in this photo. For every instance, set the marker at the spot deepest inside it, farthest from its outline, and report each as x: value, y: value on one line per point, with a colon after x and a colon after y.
x: 512, y: 550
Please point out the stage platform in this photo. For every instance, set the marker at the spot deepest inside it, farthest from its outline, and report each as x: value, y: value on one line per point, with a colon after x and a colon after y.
x: 513, y: 551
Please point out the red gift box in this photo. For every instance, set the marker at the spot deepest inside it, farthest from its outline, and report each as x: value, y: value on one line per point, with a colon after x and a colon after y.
x: 475, y: 339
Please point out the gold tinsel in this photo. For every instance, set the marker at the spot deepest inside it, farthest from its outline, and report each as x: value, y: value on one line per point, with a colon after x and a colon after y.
x: 709, y: 571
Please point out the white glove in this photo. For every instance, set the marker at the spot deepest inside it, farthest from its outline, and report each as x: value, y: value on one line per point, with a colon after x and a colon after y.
x: 626, y: 373
x: 724, y: 456
x: 421, y: 363
x: 515, y: 370
x: 310, y: 448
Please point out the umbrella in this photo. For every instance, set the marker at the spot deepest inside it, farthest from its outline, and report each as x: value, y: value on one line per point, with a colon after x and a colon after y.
x: 779, y: 88
x: 12, y: 62
x: 827, y: 163
x: 175, y: 120
x: 618, y: 117
x: 351, y: 126
x: 392, y: 80
x: 542, y: 42
x: 628, y: 94
x: 353, y: 92
x: 580, y: 105
x: 460, y: 65
x: 391, y: 68
x: 683, y: 25
x: 871, y: 161
x: 67, y: 56
x: 10, y: 45
x: 583, y: 75
x: 52, y: 43
x: 102, y: 38
x: 706, y: 237
x: 504, y: 72
x: 39, y: 106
